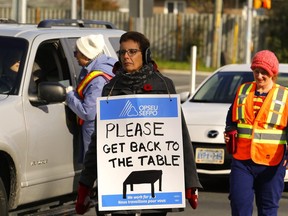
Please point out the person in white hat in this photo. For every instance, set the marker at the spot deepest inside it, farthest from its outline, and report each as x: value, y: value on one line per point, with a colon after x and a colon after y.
x: 96, y: 72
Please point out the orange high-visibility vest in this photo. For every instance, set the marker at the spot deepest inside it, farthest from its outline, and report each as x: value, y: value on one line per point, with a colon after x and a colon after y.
x: 261, y: 138
x: 85, y: 81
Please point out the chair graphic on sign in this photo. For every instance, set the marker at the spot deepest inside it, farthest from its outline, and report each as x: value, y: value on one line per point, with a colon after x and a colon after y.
x: 143, y: 177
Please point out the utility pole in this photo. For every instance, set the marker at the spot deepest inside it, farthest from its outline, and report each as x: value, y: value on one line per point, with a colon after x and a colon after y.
x: 249, y: 31
x: 73, y: 9
x: 216, y: 52
x: 82, y: 9
x: 19, y: 10
x: 141, y: 9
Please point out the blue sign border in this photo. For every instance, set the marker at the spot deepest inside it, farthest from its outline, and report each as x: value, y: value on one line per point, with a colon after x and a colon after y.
x: 138, y: 108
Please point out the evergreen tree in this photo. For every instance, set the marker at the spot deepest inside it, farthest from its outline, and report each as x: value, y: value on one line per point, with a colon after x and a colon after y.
x: 277, y: 31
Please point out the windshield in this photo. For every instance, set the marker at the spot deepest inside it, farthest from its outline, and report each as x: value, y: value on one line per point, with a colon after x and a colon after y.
x: 222, y: 86
x: 12, y: 54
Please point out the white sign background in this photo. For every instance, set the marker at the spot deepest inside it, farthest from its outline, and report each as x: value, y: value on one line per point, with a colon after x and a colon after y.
x: 151, y: 139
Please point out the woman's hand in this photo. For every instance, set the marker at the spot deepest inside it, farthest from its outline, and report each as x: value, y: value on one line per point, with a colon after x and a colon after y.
x: 226, y: 138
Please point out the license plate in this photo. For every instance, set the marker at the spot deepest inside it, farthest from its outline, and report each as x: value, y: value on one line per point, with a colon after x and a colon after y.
x: 209, y: 156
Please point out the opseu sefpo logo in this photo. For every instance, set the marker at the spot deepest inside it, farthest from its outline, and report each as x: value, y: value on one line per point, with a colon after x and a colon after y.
x: 148, y: 110
x: 145, y: 110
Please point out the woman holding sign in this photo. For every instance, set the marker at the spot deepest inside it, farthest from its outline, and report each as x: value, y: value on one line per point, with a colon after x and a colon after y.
x: 136, y: 73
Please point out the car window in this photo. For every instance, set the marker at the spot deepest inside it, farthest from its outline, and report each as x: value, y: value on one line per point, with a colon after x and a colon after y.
x: 114, y: 41
x: 12, y: 54
x: 221, y: 87
x: 50, y: 65
x: 283, y: 79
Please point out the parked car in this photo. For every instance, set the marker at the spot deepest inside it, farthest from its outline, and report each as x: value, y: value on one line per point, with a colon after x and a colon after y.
x: 205, y: 113
x: 38, y: 133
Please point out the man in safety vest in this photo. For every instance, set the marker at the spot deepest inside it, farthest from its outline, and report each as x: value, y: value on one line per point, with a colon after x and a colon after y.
x: 96, y: 72
x: 259, y: 115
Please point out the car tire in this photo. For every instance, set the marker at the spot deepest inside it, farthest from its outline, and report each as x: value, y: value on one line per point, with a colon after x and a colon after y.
x: 3, y: 200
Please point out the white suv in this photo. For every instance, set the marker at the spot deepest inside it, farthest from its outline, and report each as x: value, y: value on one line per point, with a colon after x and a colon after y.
x: 38, y: 134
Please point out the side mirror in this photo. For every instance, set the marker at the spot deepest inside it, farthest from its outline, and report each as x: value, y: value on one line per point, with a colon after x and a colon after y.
x: 51, y: 92
x: 184, y: 96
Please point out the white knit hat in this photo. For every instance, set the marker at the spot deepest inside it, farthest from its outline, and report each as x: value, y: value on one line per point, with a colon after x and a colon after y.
x: 91, y: 45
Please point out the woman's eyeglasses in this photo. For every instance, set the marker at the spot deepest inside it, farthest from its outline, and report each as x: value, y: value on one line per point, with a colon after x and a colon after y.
x: 130, y: 52
x: 75, y: 53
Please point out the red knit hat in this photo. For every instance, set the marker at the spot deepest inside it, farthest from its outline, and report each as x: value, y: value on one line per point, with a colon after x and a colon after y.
x: 266, y: 60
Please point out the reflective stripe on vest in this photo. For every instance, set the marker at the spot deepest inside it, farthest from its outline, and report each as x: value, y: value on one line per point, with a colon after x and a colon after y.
x: 85, y: 81
x: 277, y: 107
x: 244, y: 131
x: 243, y: 93
x: 270, y: 136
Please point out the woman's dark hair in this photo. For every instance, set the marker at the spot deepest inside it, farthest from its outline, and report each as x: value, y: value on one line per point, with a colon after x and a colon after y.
x: 137, y: 37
